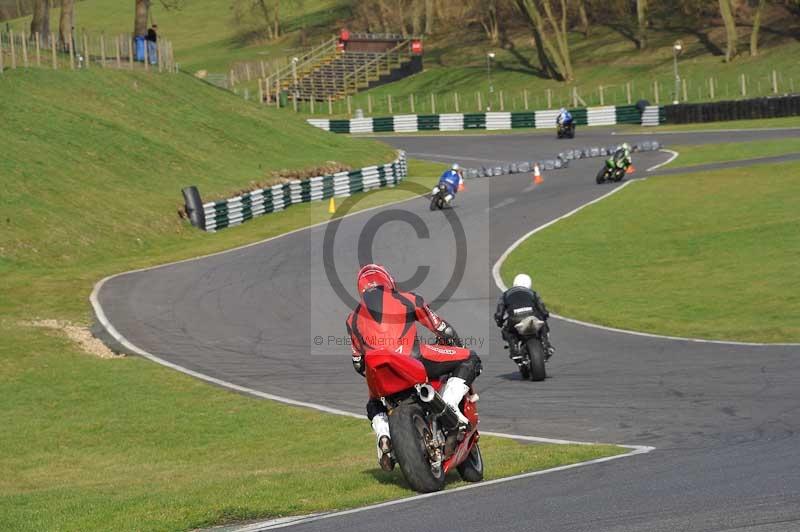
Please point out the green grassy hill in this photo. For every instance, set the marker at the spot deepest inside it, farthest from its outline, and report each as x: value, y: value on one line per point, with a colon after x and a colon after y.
x: 94, y: 162
x: 205, y: 37
x: 203, y: 32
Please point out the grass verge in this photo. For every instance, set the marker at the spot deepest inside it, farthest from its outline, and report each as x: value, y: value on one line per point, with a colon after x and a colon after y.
x: 733, y: 151
x: 125, y: 444
x: 91, y: 175
x: 707, y: 256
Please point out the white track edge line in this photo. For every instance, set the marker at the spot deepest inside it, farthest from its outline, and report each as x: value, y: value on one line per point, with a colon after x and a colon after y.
x: 659, y: 165
x: 270, y: 525
x: 502, y: 286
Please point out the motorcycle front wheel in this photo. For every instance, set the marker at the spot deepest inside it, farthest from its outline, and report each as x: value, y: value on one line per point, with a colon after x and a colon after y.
x: 410, y: 432
x: 471, y: 469
x: 536, y: 357
x: 601, y: 176
x: 435, y: 203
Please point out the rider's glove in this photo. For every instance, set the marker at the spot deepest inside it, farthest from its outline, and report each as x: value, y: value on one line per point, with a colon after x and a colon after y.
x: 358, y: 364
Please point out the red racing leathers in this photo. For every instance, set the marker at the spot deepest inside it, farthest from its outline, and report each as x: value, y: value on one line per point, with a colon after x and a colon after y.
x: 386, y: 319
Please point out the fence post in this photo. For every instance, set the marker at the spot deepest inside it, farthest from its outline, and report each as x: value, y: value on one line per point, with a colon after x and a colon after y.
x: 71, y: 54
x: 433, y: 104
x: 574, y: 96
x: 25, y: 49
x: 38, y: 50
x: 411, y: 103
x: 744, y: 85
x: 13, y: 50
x: 330, y: 104
x: 103, y: 50
x: 130, y: 52
x: 685, y: 91
x: 480, y: 103
x: 628, y: 92
x: 1, y: 53
x: 119, y: 62
x: 369, y: 104
x: 277, y: 94
x: 455, y: 100
x: 389, y: 101
x: 525, y: 98
x: 774, y: 82
x: 602, y: 100
x: 711, y: 88
x: 311, y: 104
x: 263, y: 70
x: 349, y: 106
x: 86, y: 50
x: 655, y: 91
x: 502, y: 103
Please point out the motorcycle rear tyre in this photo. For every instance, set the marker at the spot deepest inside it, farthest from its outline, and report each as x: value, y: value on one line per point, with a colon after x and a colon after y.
x: 405, y: 423
x: 471, y: 469
x: 536, y: 355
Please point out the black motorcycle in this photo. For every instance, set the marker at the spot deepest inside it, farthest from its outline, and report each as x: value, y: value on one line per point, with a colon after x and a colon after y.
x: 566, y: 130
x: 439, y: 197
x: 528, y: 349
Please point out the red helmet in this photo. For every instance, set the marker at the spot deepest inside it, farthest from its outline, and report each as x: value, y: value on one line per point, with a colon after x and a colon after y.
x: 373, y: 275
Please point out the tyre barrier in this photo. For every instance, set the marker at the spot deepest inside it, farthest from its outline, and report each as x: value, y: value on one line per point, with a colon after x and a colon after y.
x: 216, y: 215
x: 559, y: 161
x: 496, y: 121
x: 755, y: 108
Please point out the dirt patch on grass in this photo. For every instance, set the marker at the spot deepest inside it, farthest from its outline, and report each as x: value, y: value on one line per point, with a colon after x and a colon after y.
x: 78, y: 334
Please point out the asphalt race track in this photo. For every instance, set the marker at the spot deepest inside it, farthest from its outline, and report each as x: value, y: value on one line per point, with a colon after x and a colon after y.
x: 723, y: 418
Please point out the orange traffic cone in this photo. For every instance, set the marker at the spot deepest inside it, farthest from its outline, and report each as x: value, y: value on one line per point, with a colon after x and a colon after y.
x: 630, y: 170
x: 461, y: 186
x: 537, y: 175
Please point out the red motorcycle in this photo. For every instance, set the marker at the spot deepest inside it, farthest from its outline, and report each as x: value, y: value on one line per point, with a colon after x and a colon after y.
x: 427, y: 441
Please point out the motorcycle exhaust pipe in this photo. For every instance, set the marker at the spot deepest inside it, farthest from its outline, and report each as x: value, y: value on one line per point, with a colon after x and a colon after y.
x: 440, y: 409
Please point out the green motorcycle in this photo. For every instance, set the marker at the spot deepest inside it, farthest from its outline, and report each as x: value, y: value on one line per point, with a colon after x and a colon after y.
x: 614, y: 169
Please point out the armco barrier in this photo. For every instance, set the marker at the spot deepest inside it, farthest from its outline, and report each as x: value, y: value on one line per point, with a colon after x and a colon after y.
x: 652, y: 115
x: 234, y: 211
x: 593, y: 116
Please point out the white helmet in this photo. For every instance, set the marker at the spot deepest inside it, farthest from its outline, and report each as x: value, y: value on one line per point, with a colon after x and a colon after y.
x: 455, y: 167
x: 523, y: 280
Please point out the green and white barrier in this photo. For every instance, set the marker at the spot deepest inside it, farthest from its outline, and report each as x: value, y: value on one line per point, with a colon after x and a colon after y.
x: 237, y: 210
x: 592, y: 116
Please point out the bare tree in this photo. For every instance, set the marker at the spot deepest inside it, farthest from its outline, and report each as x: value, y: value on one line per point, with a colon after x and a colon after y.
x: 756, y: 28
x: 66, y: 22
x: 141, y: 16
x: 726, y: 9
x: 40, y: 23
x: 641, y: 24
x: 549, y: 28
x: 583, y: 17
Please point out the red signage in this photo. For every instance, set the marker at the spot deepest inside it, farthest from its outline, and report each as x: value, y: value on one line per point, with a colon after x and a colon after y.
x: 416, y: 47
x: 344, y: 35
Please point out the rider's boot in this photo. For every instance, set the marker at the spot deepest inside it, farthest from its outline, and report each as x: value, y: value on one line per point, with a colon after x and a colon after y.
x: 453, y: 391
x: 380, y: 424
x: 548, y: 346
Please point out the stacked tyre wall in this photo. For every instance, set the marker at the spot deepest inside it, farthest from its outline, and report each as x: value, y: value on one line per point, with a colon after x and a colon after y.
x: 643, y: 114
x: 237, y: 210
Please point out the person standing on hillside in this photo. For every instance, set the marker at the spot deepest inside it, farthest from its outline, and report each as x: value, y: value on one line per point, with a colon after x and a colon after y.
x: 152, y: 47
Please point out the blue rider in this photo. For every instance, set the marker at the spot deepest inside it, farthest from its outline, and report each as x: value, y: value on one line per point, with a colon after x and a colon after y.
x: 564, y: 117
x: 451, y: 180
